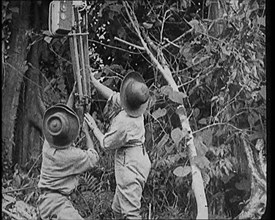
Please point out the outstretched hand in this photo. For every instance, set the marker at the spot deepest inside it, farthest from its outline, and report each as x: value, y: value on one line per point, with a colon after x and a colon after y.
x: 92, y: 73
x: 90, y: 121
x: 85, y: 127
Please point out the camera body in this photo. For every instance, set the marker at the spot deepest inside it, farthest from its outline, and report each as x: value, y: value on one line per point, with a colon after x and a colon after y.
x: 60, y: 17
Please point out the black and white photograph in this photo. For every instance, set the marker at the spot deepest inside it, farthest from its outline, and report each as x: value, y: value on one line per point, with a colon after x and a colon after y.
x: 120, y: 109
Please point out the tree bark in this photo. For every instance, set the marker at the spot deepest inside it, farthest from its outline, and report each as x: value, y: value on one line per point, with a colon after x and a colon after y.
x: 15, y: 67
x: 29, y: 140
x: 256, y: 204
x: 29, y: 130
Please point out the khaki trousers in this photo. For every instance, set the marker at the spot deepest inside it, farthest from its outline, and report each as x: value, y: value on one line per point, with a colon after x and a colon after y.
x: 132, y: 167
x: 55, y: 206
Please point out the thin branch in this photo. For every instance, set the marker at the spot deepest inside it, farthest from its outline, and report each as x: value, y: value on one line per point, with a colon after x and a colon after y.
x: 163, y: 22
x: 17, y: 190
x: 34, y: 164
x: 157, y: 121
x: 229, y: 102
x: 216, y: 124
x: 169, y: 43
x: 114, y: 47
x: 51, y: 49
x: 128, y: 43
x: 22, y: 74
x: 178, y: 38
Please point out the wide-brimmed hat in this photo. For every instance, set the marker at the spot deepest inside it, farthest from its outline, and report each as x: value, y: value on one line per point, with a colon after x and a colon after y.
x: 134, y: 94
x: 60, y: 125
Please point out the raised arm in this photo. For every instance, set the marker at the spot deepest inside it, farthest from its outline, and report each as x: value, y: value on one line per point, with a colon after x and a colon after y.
x: 102, y: 89
x: 92, y: 124
x: 89, y: 143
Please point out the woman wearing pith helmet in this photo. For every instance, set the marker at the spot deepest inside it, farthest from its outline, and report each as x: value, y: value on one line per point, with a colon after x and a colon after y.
x: 126, y: 135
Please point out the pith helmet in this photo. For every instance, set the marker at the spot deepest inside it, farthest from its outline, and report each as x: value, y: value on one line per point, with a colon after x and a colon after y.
x: 134, y: 94
x: 60, y: 125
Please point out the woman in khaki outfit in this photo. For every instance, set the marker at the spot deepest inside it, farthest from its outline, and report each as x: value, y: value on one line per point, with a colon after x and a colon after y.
x: 126, y: 136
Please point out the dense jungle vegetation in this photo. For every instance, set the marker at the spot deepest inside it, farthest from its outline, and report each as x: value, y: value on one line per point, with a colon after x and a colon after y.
x: 207, y: 56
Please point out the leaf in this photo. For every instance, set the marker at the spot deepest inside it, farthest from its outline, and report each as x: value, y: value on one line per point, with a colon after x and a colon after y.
x: 263, y: 92
x: 261, y: 21
x: 205, y: 177
x: 7, y: 200
x: 177, y: 135
x: 185, y: 3
x: 8, y: 16
x: 177, y: 97
x: 251, y: 120
x: 196, y: 112
x: 147, y: 25
x: 5, y: 3
x: 225, y: 51
x: 244, y: 184
x: 227, y: 178
x: 186, y: 52
x: 202, y: 121
x: 207, y: 136
x: 195, y: 24
x: 169, y: 148
x: 182, y: 171
x: 105, y: 5
x: 201, y: 162
x: 25, y: 210
x: 214, y: 98
x: 121, y: 32
x: 116, y: 8
x: 160, y: 112
x: 98, y: 75
x: 200, y: 147
x: 48, y: 39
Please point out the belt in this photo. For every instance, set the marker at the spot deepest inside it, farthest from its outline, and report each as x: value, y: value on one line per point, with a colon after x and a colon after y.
x: 135, y: 145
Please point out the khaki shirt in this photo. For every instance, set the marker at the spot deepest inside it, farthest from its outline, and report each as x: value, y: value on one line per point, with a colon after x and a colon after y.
x: 124, y: 130
x: 132, y: 164
x: 60, y: 167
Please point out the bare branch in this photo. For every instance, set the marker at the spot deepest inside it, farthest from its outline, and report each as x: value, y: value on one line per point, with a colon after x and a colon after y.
x: 163, y: 22
x: 178, y: 38
x: 128, y: 43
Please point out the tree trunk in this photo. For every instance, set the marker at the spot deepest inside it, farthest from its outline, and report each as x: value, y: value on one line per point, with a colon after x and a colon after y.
x: 256, y: 204
x: 29, y: 130
x: 29, y: 140
x: 15, y: 67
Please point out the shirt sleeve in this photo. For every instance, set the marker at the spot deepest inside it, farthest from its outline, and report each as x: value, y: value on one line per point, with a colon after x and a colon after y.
x: 115, y: 138
x: 81, y: 160
x: 112, y: 107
